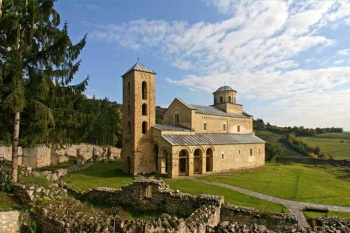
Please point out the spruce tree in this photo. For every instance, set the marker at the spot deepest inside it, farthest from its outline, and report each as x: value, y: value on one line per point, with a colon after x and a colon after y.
x: 38, y: 63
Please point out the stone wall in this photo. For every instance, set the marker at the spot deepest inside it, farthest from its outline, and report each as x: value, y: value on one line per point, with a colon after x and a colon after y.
x: 9, y: 221
x: 278, y: 221
x: 41, y: 156
x: 55, y: 212
x: 313, y: 161
x: 149, y: 195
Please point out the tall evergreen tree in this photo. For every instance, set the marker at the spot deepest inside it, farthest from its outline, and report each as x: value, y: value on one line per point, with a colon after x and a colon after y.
x: 37, y: 67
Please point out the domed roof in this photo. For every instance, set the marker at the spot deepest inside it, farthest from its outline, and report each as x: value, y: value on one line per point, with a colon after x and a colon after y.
x: 225, y: 88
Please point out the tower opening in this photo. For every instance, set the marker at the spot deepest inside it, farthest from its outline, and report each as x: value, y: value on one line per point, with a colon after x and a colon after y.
x: 144, y: 90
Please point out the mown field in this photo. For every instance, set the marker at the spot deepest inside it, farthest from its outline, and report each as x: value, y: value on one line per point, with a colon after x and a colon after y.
x: 335, y: 144
x: 326, y: 185
x: 231, y: 197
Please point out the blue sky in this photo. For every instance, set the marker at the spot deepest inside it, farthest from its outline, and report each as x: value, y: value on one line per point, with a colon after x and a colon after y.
x: 288, y: 60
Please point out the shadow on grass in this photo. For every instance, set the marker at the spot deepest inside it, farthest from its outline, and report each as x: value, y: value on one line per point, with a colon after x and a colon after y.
x: 103, y: 170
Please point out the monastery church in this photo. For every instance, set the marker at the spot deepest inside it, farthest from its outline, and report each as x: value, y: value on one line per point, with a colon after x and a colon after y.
x: 194, y: 139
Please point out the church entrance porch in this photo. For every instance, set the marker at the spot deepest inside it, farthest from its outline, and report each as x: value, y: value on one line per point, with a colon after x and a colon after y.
x: 209, y: 160
x: 183, y: 163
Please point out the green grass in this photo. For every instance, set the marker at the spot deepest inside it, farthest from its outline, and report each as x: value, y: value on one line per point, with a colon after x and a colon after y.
x: 231, y: 197
x: 7, y: 202
x: 298, y: 182
x: 41, y: 181
x: 312, y: 214
x: 98, y: 175
x: 273, y: 138
x: 337, y: 144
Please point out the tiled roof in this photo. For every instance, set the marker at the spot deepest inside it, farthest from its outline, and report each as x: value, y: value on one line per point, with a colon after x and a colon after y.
x: 186, y: 104
x: 212, y: 110
x: 225, y: 88
x: 171, y: 128
x: 211, y: 139
x: 140, y: 67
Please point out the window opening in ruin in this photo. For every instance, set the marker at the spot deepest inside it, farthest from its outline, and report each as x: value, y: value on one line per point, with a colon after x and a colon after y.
x: 144, y: 109
x: 204, y: 125
x: 177, y: 118
x: 144, y: 90
x: 149, y: 191
x: 144, y: 127
x: 224, y: 127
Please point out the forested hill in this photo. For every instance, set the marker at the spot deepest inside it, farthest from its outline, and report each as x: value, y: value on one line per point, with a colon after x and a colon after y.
x: 83, y: 120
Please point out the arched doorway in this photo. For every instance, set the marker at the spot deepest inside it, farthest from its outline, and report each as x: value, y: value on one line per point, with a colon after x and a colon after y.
x: 197, y: 161
x: 183, y: 161
x: 155, y: 150
x: 164, y: 162
x: 209, y: 160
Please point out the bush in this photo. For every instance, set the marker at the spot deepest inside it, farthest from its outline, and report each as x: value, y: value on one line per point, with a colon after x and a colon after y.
x: 6, y: 184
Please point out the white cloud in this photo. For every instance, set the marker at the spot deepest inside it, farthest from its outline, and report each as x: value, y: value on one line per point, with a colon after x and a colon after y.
x: 253, y: 49
x: 344, y: 52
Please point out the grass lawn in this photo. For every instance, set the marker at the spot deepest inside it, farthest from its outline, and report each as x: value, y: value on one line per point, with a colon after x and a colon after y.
x: 7, y: 202
x: 312, y: 214
x: 98, y: 175
x: 337, y: 144
x: 231, y: 197
x: 299, y: 182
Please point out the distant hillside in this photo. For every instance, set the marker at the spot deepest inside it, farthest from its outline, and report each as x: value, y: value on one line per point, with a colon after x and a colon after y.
x: 273, y: 138
x: 335, y: 144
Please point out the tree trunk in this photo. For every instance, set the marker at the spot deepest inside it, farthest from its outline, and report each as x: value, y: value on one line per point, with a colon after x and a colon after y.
x: 15, y: 139
x: 0, y: 7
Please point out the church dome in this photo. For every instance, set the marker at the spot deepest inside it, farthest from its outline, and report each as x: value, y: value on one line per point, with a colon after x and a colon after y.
x: 225, y: 88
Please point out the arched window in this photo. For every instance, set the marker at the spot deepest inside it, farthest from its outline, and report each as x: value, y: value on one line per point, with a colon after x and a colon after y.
x: 229, y: 99
x: 128, y: 89
x: 221, y: 100
x: 144, y: 109
x: 204, y: 125
x: 251, y: 151
x: 129, y: 127
x: 144, y: 127
x: 144, y: 90
x: 177, y: 118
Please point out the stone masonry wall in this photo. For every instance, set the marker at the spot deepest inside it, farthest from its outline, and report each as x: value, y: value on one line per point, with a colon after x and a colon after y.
x: 42, y: 155
x: 150, y: 194
x: 9, y: 221
x: 276, y: 221
x: 55, y: 212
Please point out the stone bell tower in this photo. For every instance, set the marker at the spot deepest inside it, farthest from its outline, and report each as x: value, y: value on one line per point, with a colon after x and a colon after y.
x: 138, y: 118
